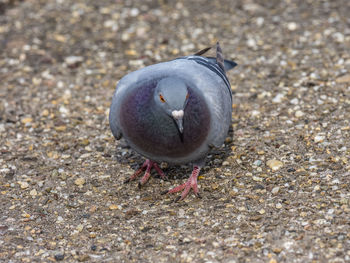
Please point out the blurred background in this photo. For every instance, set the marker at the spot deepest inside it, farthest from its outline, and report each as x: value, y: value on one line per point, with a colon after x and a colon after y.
x: 277, y: 192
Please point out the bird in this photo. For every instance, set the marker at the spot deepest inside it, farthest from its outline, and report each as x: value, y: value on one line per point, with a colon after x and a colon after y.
x: 174, y: 112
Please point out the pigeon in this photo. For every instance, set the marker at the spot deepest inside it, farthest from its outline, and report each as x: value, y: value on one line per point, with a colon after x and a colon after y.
x: 174, y: 112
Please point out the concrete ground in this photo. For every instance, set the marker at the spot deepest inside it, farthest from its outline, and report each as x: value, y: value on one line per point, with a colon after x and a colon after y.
x: 278, y: 191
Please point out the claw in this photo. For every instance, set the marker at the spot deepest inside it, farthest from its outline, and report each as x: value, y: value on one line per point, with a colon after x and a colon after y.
x: 164, y: 192
x: 165, y: 178
x: 147, y: 165
x: 186, y: 187
x: 159, y: 171
x: 177, y: 199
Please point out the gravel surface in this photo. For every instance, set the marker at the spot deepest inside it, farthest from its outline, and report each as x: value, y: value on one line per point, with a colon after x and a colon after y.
x: 278, y: 191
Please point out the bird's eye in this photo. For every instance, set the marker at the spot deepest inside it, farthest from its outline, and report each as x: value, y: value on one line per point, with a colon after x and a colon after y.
x: 187, y: 96
x: 161, y: 98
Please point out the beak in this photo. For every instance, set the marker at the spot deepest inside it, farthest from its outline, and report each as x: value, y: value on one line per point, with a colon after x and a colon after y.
x: 178, y: 116
x: 180, y: 124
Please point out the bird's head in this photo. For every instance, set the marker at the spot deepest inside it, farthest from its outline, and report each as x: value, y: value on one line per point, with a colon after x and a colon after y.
x: 171, y: 95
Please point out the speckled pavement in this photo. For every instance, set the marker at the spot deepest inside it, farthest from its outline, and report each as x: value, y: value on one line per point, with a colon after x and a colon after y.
x: 278, y: 191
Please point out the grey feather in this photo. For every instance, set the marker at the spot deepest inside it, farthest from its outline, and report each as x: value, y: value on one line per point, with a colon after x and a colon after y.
x: 228, y: 64
x: 219, y: 57
x: 142, y: 122
x: 113, y: 122
x: 203, y: 51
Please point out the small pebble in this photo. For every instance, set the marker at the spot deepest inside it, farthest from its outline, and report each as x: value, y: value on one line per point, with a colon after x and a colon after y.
x: 257, y: 179
x: 319, y: 138
x: 23, y: 185
x: 64, y: 110
x: 59, y: 257
x: 343, y: 79
x: 274, y: 164
x: 299, y: 114
x: 93, y: 247
x: 80, y: 228
x: 134, y: 12
x: 278, y: 205
x: 164, y: 165
x: 277, y: 250
x: 33, y: 193
x: 278, y: 99
x: 79, y: 181
x: 317, y: 188
x: 339, y: 37
x: 292, y: 26
x: 83, y: 258
x: 260, y: 21
x: 251, y: 42
x: 131, y: 52
x: 275, y: 190
x: 113, y: 207
x: 111, y: 24
x: 257, y: 162
x: 294, y: 101
x: 228, y: 139
x: 26, y: 120
x: 73, y: 60
x: 45, y: 113
x: 255, y: 113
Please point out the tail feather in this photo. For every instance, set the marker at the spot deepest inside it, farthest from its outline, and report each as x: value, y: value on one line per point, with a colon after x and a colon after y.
x: 224, y: 64
x: 203, y: 51
x: 219, y: 57
x: 229, y: 64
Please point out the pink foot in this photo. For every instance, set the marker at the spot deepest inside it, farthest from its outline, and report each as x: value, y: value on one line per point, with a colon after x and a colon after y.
x: 148, y: 164
x: 186, y: 187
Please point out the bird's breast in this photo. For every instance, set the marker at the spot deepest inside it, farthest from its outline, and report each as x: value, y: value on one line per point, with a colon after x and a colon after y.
x: 153, y: 133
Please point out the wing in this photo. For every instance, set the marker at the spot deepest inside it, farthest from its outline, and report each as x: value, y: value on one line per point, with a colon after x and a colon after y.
x: 211, y: 79
x: 113, y: 120
x: 127, y: 85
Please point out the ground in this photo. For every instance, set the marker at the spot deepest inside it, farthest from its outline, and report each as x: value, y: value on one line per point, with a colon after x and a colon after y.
x: 278, y: 191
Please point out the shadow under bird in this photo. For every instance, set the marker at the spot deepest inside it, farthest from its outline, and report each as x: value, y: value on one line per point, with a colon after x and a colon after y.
x: 174, y: 112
